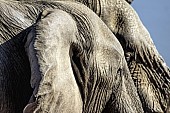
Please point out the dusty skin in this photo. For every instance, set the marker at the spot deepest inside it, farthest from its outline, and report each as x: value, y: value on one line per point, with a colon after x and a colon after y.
x: 60, y: 57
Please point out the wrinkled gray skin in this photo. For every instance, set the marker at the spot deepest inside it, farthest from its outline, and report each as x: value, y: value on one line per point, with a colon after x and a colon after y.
x: 85, y: 71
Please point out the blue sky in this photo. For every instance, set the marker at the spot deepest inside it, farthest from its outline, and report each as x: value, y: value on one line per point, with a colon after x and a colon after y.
x: 155, y: 15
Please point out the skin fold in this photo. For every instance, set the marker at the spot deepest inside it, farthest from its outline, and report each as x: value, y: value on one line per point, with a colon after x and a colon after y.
x: 77, y: 62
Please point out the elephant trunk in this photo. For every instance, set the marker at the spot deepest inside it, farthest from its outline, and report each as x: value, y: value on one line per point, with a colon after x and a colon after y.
x: 49, y: 53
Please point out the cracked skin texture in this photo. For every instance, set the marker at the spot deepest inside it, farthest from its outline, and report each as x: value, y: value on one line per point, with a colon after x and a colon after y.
x: 149, y: 73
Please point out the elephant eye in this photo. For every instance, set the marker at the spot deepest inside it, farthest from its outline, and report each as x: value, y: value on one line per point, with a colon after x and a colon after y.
x: 128, y: 55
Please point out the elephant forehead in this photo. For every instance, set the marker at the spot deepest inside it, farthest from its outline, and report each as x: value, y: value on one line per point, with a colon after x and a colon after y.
x: 56, y: 25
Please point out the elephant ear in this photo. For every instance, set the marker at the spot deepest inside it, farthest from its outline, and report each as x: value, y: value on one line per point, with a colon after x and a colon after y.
x: 150, y: 73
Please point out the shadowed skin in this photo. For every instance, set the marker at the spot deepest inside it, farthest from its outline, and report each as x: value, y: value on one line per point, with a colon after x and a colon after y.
x: 142, y: 57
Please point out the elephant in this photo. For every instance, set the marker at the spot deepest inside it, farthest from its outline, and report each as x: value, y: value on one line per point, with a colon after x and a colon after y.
x: 147, y: 91
x: 88, y: 77
x: 150, y: 73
